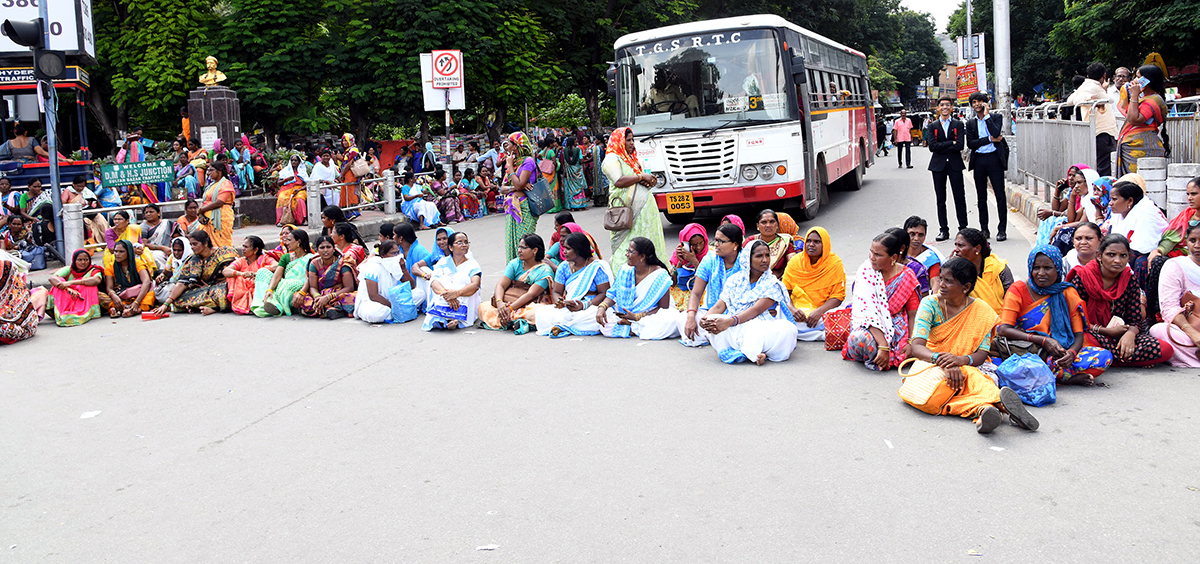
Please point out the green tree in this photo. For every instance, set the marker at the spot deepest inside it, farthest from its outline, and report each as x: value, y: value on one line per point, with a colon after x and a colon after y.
x: 918, y: 56
x: 1123, y: 33
x: 1034, y: 59
x: 275, y: 65
x: 880, y: 78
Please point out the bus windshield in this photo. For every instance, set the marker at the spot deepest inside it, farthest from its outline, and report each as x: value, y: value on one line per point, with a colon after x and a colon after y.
x: 702, y: 81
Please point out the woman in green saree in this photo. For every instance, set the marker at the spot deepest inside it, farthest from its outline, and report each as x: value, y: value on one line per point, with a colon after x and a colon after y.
x: 273, y: 291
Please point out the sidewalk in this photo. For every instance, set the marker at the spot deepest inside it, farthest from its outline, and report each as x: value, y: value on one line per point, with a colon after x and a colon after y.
x: 1025, y: 202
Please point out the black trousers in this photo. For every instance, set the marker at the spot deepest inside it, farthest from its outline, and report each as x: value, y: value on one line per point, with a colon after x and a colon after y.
x: 904, y: 148
x: 988, y: 167
x: 1105, y: 145
x: 960, y: 197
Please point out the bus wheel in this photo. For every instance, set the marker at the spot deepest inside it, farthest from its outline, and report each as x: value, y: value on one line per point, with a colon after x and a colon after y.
x: 680, y: 218
x: 852, y: 182
x: 809, y: 212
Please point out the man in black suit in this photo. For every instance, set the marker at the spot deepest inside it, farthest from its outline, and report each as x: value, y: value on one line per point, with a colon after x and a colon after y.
x: 989, y: 160
x: 945, y: 137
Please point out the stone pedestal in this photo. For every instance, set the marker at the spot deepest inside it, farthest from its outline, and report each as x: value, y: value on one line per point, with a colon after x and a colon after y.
x: 215, y: 113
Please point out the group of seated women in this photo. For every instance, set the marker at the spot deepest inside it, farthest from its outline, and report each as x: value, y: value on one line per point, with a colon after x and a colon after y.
x: 1149, y: 276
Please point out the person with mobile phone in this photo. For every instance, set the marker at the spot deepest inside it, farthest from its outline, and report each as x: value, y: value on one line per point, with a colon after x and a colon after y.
x: 1147, y: 111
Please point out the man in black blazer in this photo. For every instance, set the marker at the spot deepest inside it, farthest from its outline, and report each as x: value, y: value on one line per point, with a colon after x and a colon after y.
x: 945, y: 137
x: 989, y: 160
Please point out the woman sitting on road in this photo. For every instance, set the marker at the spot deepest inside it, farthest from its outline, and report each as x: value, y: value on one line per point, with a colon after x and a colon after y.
x: 954, y: 331
x: 202, y: 286
x: 685, y: 259
x: 447, y: 203
x: 454, y: 288
x: 1087, y: 245
x: 788, y: 226
x: 414, y: 252
x: 1047, y: 312
x: 580, y: 285
x: 1135, y: 217
x: 21, y: 309
x: 1179, y: 286
x: 128, y: 290
x: 639, y: 301
x: 422, y: 213
x: 189, y: 222
x: 929, y: 257
x: 881, y: 319
x: 751, y: 320
x: 560, y: 219
x: 555, y: 256
x: 242, y: 273
x: 782, y: 248
x: 75, y: 291
x: 913, y: 264
x: 350, y: 246
x: 274, y: 292
x: 385, y: 288
x: 1066, y: 205
x: 156, y: 234
x: 1109, y: 294
x: 181, y: 249
x: 1173, y: 243
x: 123, y: 230
x: 524, y: 285
x: 816, y: 280
x: 712, y: 273
x: 329, y: 288
x: 994, y: 275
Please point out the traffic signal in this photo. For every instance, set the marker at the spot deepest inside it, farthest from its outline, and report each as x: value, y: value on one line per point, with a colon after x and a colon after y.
x: 47, y: 64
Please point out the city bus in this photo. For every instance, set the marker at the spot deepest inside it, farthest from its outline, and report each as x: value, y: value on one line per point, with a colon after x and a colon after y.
x: 744, y: 110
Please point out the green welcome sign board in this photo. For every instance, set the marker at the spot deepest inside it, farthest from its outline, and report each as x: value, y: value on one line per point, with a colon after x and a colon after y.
x: 146, y: 172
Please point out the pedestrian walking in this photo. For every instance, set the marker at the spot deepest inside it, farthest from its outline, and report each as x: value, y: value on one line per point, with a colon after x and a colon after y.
x: 881, y: 138
x: 902, y: 139
x: 946, y: 137
x: 989, y: 160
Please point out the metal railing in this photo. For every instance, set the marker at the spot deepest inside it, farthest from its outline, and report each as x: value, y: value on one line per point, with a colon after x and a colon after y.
x: 313, y: 190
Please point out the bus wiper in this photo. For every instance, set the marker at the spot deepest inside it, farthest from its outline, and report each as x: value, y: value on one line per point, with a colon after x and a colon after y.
x: 729, y: 122
x: 666, y: 131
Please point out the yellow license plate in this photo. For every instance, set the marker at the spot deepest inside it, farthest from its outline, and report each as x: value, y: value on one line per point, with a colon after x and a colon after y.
x: 680, y: 203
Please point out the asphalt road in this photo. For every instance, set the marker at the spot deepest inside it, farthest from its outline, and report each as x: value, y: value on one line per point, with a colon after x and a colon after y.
x: 228, y: 439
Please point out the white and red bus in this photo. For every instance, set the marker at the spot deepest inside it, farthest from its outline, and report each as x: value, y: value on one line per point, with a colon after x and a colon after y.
x: 744, y: 110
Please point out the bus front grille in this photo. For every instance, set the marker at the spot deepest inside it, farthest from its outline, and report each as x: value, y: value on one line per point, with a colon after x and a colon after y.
x: 702, y: 161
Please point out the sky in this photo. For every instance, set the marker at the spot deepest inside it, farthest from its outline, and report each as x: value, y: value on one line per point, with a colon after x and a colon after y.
x: 941, y: 10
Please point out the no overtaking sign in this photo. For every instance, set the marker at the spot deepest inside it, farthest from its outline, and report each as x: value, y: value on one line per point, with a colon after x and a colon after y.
x: 447, y: 69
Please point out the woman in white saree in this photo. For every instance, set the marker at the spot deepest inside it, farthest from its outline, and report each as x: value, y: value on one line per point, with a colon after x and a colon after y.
x: 752, y: 321
x: 454, y: 290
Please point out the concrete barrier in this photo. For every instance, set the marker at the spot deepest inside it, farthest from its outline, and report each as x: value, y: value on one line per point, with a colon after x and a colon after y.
x: 1154, y: 170
x: 1178, y: 176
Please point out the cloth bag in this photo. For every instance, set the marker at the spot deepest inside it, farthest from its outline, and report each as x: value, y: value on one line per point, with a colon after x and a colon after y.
x: 837, y: 328
x: 403, y: 307
x: 1030, y: 377
x: 541, y: 198
x: 36, y: 257
x: 924, y: 386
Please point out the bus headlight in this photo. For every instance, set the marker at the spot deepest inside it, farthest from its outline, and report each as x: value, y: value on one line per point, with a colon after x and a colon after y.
x: 749, y: 173
x: 766, y: 171
x: 662, y: 178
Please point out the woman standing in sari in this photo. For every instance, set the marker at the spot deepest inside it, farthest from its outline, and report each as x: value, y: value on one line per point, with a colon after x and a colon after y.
x: 292, y: 200
x: 274, y: 292
x: 549, y: 168
x: 630, y: 186
x: 349, y: 195
x: 202, y: 286
x: 242, y: 273
x: 713, y: 271
x: 640, y: 298
x: 573, y: 181
x: 1047, y: 312
x: 751, y: 321
x: 954, y: 331
x: 881, y: 319
x: 217, y: 208
x: 816, y: 280
x: 596, y: 173
x: 1106, y: 287
x: 128, y: 288
x: 524, y: 286
x: 329, y: 285
x: 454, y: 291
x: 580, y: 285
x: 780, y: 244
x: 1139, y: 137
x: 1179, y: 286
x: 520, y: 168
x: 994, y: 274
x: 75, y: 291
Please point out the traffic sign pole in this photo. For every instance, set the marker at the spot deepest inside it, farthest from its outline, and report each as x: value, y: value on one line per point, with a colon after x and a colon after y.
x: 51, y: 98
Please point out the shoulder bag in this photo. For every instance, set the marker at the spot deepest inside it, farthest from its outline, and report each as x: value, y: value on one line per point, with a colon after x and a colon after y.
x: 924, y: 386
x: 360, y: 168
x: 541, y: 199
x: 618, y: 218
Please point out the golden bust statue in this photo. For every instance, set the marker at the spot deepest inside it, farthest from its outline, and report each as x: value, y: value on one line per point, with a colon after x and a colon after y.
x: 213, y: 76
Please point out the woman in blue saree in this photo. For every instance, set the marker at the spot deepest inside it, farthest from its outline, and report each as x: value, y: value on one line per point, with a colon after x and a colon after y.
x: 639, y: 303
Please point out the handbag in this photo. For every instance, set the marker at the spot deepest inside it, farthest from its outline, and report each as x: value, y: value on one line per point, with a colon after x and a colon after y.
x: 618, y: 218
x: 360, y: 168
x: 546, y: 166
x: 837, y: 328
x: 924, y: 386
x: 1003, y: 348
x: 36, y: 257
x: 541, y: 199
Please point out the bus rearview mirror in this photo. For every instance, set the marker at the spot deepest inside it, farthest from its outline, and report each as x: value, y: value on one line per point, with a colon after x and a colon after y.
x: 798, y: 74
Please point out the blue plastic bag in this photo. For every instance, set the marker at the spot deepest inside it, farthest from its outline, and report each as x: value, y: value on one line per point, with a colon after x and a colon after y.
x: 1028, y: 375
x: 403, y: 308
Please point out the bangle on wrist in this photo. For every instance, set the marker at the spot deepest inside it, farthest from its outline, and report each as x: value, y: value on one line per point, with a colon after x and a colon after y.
x: 936, y: 355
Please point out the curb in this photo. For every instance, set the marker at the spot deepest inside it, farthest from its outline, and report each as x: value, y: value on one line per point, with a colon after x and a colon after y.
x: 1024, y: 202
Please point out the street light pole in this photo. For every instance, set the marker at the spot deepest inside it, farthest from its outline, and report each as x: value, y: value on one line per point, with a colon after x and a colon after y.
x: 1003, y: 55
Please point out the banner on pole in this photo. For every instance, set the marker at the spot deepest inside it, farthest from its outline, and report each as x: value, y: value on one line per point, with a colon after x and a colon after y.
x: 968, y: 82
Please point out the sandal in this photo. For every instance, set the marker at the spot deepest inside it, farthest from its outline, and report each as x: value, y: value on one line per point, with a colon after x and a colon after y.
x: 1017, y: 414
x: 113, y: 313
